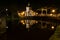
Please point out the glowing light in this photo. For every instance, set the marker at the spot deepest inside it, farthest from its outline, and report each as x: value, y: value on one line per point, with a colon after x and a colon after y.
x: 36, y: 21
x: 22, y: 21
x: 22, y: 14
x: 27, y: 9
x: 7, y: 27
x: 53, y: 10
x: 36, y: 13
x: 27, y: 26
x: 52, y: 27
x: 18, y: 14
x: 6, y: 9
x: 51, y: 14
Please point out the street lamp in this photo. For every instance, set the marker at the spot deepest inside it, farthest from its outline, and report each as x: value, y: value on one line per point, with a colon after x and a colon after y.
x: 52, y: 27
x: 53, y: 11
x: 6, y: 9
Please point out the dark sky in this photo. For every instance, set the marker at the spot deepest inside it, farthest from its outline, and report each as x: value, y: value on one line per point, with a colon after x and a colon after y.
x: 34, y: 3
x: 40, y: 3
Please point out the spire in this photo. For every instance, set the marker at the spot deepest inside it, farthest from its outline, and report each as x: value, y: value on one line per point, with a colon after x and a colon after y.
x: 28, y: 4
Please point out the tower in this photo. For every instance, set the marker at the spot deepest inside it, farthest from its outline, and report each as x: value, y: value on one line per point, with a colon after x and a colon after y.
x: 27, y: 14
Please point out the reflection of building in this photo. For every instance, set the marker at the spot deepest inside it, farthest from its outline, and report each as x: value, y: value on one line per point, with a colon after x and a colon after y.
x: 29, y: 12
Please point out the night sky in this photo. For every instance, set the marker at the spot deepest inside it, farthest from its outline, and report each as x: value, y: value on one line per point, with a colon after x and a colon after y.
x: 34, y: 3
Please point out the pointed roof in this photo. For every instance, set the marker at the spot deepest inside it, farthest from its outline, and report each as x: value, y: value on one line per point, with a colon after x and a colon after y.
x: 28, y: 4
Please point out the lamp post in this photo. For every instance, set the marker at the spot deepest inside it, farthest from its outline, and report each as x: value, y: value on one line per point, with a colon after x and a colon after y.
x: 53, y: 10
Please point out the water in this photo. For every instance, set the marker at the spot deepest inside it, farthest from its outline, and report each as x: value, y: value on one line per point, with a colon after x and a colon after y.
x: 17, y: 30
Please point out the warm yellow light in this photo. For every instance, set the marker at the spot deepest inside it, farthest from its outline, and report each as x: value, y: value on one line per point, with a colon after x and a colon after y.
x: 33, y: 13
x: 22, y: 21
x: 18, y: 14
x: 51, y: 14
x: 22, y: 14
x: 36, y: 13
x: 53, y: 10
x: 52, y: 27
x: 36, y: 21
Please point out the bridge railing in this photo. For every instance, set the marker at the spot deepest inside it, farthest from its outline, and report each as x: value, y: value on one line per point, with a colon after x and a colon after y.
x: 52, y: 15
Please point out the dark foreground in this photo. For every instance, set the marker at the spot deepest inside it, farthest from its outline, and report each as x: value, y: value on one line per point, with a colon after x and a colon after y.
x: 17, y: 31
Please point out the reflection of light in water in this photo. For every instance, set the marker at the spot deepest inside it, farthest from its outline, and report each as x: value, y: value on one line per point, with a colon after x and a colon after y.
x: 22, y: 21
x: 51, y: 14
x: 28, y: 22
x: 27, y: 25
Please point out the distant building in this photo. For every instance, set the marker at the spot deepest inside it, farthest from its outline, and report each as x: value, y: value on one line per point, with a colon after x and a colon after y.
x: 27, y: 12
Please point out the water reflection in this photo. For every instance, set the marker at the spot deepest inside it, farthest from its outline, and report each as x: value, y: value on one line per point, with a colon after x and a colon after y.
x: 35, y: 27
x: 41, y: 24
x: 28, y: 23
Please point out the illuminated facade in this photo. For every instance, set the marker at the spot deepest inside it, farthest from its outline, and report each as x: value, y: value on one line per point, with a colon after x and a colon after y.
x: 27, y: 12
